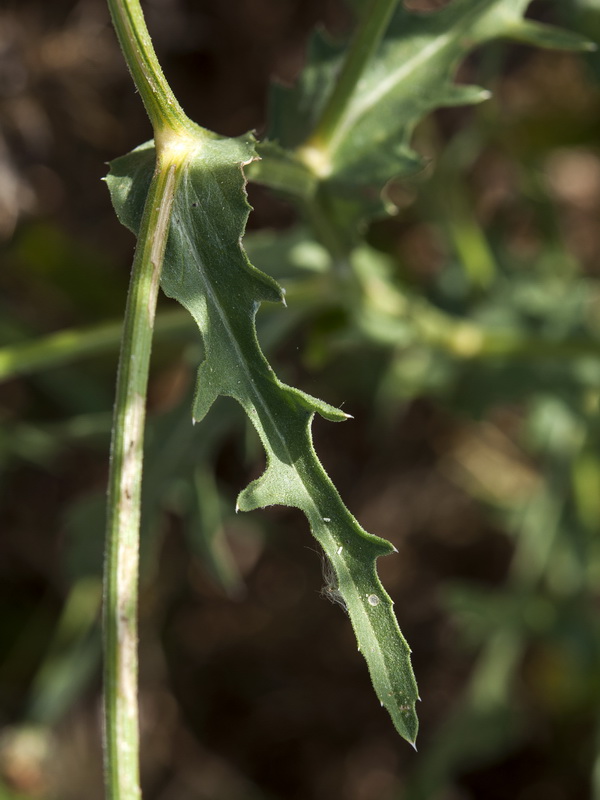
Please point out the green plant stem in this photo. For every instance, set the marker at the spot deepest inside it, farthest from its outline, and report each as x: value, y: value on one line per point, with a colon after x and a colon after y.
x: 65, y: 347
x: 124, y: 494
x: 437, y: 330
x: 318, y: 213
x: 281, y: 170
x: 373, y: 24
x: 57, y: 349
x: 172, y: 130
x: 166, y: 115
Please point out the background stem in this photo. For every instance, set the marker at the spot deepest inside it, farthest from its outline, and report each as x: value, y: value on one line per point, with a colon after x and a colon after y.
x: 66, y: 346
x: 69, y: 346
x: 373, y: 24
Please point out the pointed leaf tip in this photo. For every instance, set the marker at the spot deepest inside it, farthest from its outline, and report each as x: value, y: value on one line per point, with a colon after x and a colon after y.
x: 458, y: 94
x: 549, y: 36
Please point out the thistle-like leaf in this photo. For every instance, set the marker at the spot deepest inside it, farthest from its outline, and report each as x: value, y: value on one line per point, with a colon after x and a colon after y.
x: 411, y: 74
x: 207, y: 271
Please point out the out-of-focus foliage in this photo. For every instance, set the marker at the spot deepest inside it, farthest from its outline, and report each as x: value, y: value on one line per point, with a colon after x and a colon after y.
x: 463, y: 337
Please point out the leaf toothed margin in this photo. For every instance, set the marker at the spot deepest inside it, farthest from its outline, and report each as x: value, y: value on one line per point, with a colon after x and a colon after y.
x: 207, y: 271
x: 411, y: 74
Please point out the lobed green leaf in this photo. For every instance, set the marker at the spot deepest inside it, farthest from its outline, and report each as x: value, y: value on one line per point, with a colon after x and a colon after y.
x: 411, y: 74
x: 207, y: 271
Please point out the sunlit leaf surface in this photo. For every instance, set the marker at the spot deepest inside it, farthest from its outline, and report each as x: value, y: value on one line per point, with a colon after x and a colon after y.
x: 412, y: 73
x: 207, y: 271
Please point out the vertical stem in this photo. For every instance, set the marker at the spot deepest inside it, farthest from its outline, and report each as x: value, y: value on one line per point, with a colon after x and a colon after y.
x: 124, y: 494
x: 375, y: 20
x: 171, y: 129
x: 161, y: 104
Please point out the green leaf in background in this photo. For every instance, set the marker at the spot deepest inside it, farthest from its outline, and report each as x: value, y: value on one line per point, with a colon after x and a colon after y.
x: 411, y: 74
x: 207, y: 271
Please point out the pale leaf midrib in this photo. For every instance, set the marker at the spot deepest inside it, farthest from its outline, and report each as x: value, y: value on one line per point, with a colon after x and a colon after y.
x: 258, y: 400
x: 374, y: 636
x: 370, y: 645
x: 365, y: 103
